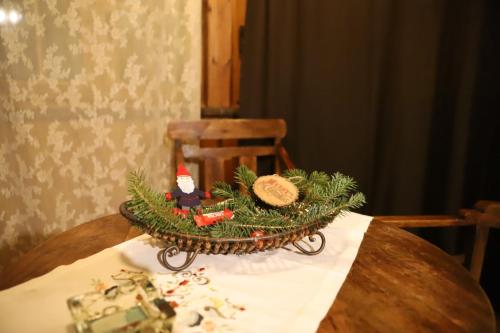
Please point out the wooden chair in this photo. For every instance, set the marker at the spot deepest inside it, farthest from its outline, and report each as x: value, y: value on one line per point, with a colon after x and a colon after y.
x: 188, y: 135
x: 485, y: 215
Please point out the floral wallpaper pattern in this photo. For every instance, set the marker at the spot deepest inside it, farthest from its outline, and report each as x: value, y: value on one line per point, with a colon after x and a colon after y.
x: 86, y: 90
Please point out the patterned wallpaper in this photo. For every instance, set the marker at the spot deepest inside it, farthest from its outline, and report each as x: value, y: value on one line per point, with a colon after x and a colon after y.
x: 86, y: 90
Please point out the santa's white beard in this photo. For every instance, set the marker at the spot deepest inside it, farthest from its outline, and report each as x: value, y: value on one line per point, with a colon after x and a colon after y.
x: 186, y: 184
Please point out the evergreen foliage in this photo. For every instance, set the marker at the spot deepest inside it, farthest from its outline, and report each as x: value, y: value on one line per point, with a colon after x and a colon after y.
x: 321, y: 198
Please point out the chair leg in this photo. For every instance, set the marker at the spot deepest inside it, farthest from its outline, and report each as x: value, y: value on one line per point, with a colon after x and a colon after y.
x: 480, y: 241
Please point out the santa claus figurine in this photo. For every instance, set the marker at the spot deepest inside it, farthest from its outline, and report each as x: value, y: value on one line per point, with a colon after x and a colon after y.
x: 186, y: 193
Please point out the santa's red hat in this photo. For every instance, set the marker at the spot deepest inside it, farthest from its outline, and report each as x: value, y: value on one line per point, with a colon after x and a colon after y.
x: 182, y: 171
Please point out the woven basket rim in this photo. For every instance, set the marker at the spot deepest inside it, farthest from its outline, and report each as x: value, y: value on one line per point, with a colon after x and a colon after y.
x: 311, y: 227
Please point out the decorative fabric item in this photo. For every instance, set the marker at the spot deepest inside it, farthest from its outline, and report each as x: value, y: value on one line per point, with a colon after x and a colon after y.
x: 187, y: 195
x: 264, y: 292
x: 182, y: 171
x: 132, y: 304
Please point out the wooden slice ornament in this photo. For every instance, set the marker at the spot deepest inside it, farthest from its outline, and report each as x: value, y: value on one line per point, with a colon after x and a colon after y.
x: 275, y: 190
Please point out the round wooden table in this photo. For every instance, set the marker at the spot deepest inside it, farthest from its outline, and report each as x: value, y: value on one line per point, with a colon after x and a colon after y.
x: 398, y: 282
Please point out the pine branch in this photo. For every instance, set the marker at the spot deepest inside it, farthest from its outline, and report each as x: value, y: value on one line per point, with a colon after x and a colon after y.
x: 322, y: 198
x: 223, y: 190
x: 245, y: 177
x: 319, y: 178
x: 150, y: 207
x: 297, y: 177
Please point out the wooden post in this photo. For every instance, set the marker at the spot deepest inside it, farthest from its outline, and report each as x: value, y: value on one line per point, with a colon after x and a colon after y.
x: 218, y: 57
x: 222, y: 20
x: 480, y: 242
x: 238, y: 12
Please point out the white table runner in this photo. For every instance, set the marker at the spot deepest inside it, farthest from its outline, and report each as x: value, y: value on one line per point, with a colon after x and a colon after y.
x: 277, y: 291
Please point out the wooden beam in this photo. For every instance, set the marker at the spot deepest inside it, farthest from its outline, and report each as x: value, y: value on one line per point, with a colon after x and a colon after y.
x: 218, y: 47
x: 193, y: 151
x: 238, y: 16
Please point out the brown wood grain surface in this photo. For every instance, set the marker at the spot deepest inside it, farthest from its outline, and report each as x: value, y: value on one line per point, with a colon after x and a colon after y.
x: 218, y: 55
x: 401, y: 283
x: 221, y: 59
x: 63, y: 249
x: 219, y: 152
x: 398, y: 282
x: 223, y: 129
x: 419, y: 221
x: 192, y: 151
x: 238, y: 21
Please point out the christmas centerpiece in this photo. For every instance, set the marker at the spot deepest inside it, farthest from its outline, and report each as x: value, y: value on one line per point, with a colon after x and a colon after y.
x: 265, y: 213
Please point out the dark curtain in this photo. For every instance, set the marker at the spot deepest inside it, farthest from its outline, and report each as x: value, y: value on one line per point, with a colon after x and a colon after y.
x: 401, y: 95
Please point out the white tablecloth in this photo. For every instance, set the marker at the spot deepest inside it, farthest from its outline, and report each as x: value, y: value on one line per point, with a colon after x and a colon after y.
x: 277, y: 291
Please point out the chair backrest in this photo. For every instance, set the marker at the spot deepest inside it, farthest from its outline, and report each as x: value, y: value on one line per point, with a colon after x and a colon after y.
x: 189, y: 136
x: 484, y: 216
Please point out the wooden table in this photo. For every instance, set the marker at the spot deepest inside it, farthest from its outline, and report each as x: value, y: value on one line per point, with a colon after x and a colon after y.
x: 398, y: 282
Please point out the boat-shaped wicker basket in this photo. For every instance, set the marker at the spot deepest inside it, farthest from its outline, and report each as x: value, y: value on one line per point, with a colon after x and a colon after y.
x: 194, y: 244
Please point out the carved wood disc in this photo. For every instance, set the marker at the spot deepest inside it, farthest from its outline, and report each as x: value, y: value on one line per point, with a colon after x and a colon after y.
x: 275, y: 190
